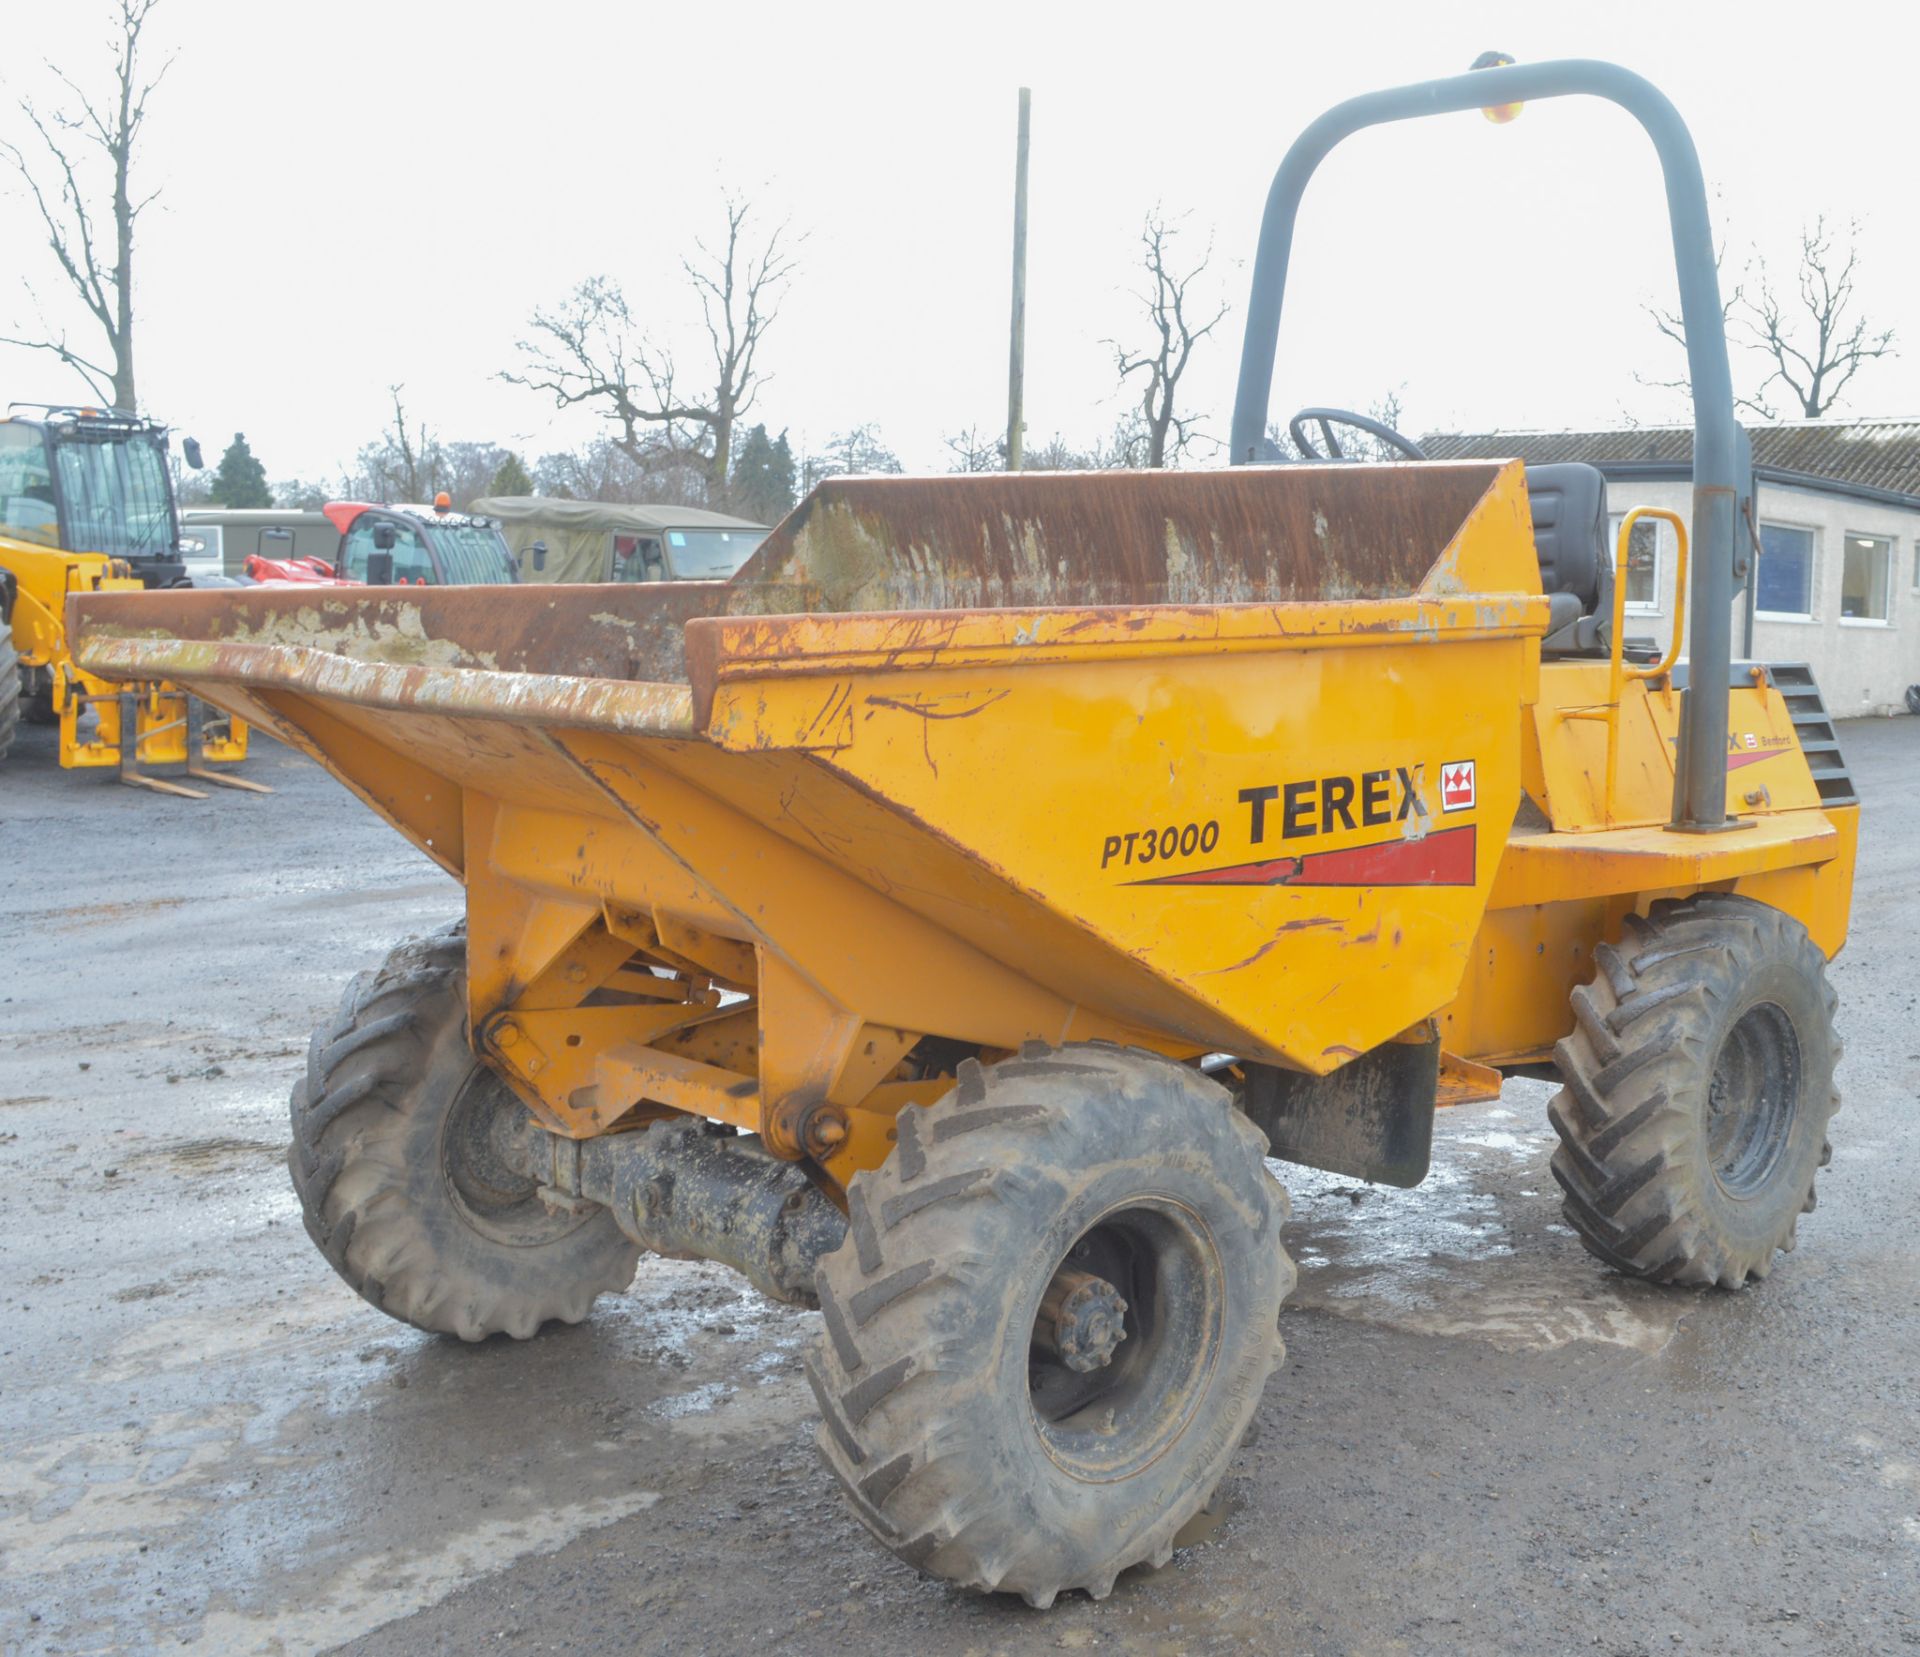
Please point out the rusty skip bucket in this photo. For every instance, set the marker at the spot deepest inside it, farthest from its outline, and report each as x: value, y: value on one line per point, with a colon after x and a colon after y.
x: 1195, y: 762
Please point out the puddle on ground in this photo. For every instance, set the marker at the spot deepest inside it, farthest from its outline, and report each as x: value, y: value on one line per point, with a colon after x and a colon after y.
x: 1208, y: 1522
x: 1477, y: 1250
x: 374, y: 1589
x: 697, y: 1402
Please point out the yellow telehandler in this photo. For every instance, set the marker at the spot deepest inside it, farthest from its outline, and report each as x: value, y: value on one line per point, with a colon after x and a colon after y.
x: 87, y: 506
x: 945, y: 919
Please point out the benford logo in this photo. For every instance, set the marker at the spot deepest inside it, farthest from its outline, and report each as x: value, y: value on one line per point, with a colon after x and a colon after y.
x: 1456, y: 786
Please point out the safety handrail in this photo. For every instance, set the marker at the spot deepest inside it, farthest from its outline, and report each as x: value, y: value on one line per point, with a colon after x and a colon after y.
x: 1619, y: 670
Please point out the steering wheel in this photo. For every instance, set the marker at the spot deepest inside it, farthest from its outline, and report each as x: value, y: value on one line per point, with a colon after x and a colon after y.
x: 1327, y: 418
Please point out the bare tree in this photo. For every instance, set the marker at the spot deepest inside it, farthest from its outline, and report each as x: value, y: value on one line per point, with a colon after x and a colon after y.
x: 468, y: 470
x: 977, y: 450
x: 859, y: 452
x: 1672, y: 326
x: 406, y: 462
x: 1811, y: 342
x: 1175, y: 333
x: 301, y: 493
x: 587, y: 352
x: 409, y: 462
x: 604, y: 471
x: 97, y: 261
x: 1058, y: 455
x: 1124, y: 448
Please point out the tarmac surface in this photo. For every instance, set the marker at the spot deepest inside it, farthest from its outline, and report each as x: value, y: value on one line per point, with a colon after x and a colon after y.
x: 1480, y: 1441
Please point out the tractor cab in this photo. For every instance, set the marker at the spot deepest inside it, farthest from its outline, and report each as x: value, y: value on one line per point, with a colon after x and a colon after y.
x: 88, y: 480
x: 419, y: 546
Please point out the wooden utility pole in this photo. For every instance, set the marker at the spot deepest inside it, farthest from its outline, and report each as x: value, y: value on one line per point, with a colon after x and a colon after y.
x: 1017, y: 361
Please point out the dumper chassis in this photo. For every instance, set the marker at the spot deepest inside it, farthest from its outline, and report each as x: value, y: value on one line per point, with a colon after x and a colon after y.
x: 945, y: 921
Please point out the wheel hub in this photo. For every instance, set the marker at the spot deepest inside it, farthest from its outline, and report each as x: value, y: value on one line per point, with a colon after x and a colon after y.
x: 487, y: 1161
x: 1752, y: 1100
x: 1088, y: 1319
x: 1123, y: 1339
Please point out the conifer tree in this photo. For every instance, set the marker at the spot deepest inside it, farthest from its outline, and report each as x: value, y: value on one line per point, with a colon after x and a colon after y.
x: 763, y: 477
x: 511, y: 478
x: 241, y: 480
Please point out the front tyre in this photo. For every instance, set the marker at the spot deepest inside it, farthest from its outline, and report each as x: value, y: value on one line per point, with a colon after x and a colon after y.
x: 399, y: 1165
x: 12, y: 689
x: 1052, y: 1319
x: 1698, y: 1088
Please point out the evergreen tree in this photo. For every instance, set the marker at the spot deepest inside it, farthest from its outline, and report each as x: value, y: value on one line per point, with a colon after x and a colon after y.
x: 511, y: 478
x: 763, y: 477
x: 241, y: 480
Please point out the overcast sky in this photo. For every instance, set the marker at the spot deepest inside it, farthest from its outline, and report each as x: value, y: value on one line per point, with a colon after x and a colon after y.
x: 363, y: 192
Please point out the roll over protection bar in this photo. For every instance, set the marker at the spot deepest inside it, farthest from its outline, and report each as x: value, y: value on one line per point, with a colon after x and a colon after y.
x: 1700, y: 770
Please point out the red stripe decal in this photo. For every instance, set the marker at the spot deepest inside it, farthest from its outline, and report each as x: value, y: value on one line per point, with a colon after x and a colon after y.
x: 1278, y: 871
x: 1448, y: 857
x: 1735, y: 761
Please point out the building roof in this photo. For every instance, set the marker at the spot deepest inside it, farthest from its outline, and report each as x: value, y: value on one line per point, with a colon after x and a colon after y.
x: 1870, y: 457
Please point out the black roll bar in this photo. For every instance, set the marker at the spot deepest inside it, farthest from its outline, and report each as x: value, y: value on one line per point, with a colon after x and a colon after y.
x: 1700, y: 770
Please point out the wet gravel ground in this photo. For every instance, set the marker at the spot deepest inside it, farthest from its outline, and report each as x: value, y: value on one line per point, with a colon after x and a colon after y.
x: 1480, y: 1442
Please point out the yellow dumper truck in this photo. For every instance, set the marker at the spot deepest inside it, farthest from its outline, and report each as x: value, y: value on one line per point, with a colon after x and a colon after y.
x: 943, y: 920
x: 86, y: 506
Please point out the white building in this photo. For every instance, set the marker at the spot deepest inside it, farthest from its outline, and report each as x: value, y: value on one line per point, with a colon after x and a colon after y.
x: 1838, y: 583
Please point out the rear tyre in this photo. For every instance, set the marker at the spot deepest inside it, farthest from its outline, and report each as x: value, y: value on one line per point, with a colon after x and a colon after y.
x: 12, y: 689
x: 1052, y: 1319
x: 1698, y: 1084
x: 398, y: 1165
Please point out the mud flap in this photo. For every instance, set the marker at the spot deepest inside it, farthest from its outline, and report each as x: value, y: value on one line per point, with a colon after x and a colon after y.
x: 1371, y: 1119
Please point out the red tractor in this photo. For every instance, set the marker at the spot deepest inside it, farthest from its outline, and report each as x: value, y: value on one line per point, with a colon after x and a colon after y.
x: 409, y: 546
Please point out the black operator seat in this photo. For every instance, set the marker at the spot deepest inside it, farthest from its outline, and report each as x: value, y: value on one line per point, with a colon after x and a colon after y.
x: 1569, y: 502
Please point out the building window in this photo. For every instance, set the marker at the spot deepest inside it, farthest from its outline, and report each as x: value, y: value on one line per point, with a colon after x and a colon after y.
x: 1916, y: 564
x: 1647, y: 556
x: 1783, y: 584
x: 1864, y: 578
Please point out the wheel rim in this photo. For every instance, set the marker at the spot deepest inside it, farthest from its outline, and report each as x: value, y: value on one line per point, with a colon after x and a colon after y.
x: 1109, y: 1422
x: 1753, y: 1099
x: 490, y: 1193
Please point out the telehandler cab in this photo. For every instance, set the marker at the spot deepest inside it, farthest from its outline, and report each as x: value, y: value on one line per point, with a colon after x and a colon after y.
x: 87, y: 506
x: 875, y: 921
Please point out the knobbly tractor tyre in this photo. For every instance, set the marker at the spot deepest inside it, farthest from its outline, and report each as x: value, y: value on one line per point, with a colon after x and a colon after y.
x: 1698, y: 1084
x: 12, y: 690
x: 1051, y: 1320
x: 403, y: 1179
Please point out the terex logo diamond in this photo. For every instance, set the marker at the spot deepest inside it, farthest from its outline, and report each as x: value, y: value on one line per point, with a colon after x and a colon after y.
x: 1456, y: 786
